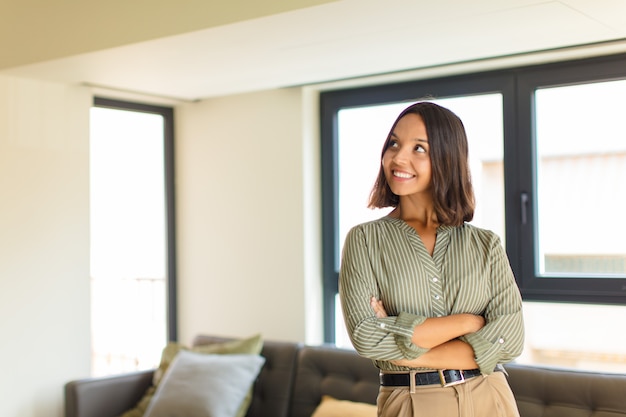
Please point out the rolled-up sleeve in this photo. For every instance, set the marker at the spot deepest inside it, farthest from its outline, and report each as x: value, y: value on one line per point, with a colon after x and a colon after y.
x: 386, y: 338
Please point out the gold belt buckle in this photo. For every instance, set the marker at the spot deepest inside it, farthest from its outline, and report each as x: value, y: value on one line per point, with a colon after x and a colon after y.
x: 442, y: 379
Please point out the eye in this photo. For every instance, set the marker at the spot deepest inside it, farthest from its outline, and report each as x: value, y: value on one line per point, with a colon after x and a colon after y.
x: 420, y: 149
x: 392, y: 144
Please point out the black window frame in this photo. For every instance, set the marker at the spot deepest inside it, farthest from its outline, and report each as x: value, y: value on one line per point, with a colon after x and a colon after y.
x: 517, y: 86
x: 170, y: 199
x: 596, y: 289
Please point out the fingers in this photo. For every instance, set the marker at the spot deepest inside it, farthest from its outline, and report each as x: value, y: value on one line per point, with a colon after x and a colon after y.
x: 377, y: 306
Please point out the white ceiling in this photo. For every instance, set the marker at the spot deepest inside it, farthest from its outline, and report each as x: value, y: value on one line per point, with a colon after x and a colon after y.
x: 334, y: 41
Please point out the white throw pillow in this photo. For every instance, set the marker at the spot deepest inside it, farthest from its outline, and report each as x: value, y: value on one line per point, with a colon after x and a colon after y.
x: 201, y: 385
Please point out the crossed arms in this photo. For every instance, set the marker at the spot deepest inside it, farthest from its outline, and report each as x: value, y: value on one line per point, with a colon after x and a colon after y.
x: 439, y: 335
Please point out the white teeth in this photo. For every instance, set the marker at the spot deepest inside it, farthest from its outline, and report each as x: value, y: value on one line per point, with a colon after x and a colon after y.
x: 402, y: 174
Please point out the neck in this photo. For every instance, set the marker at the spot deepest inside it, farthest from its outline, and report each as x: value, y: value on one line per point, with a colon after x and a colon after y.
x: 417, y: 211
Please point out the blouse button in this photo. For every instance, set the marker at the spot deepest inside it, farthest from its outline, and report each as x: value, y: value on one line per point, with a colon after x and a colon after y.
x: 501, y: 340
x: 437, y: 297
x: 435, y: 279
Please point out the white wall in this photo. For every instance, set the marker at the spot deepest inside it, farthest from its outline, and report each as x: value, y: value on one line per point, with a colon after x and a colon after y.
x: 247, y: 188
x: 44, y: 244
x: 241, y: 217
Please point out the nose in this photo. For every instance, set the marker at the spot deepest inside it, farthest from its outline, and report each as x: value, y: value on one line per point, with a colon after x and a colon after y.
x: 401, y: 155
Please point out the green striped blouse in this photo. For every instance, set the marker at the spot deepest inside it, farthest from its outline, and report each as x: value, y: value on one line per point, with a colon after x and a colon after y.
x: 468, y: 272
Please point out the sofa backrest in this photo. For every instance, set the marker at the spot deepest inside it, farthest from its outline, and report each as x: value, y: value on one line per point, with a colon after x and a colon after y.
x: 327, y: 370
x: 274, y: 385
x: 295, y: 377
x: 548, y: 392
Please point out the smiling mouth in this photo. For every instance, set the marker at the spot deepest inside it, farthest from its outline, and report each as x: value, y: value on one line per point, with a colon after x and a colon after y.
x: 404, y: 175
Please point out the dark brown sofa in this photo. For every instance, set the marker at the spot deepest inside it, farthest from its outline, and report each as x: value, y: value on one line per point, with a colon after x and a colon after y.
x: 295, y: 377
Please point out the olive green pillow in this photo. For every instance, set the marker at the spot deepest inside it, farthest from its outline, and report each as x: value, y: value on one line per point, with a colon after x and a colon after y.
x: 251, y: 345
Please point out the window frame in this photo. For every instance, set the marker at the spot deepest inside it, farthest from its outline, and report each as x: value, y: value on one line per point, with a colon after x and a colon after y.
x: 589, y: 289
x: 517, y: 88
x: 170, y: 201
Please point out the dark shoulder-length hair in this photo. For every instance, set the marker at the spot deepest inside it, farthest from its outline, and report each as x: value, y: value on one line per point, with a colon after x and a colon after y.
x: 453, y: 194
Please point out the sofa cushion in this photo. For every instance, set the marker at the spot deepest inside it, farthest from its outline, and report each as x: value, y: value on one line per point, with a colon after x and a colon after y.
x: 542, y: 391
x: 249, y: 345
x: 204, y: 385
x: 339, y: 373
x: 273, y: 388
x: 332, y: 407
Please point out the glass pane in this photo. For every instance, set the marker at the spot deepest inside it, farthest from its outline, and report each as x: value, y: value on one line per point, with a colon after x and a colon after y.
x: 128, y: 240
x: 581, y: 179
x: 362, y: 132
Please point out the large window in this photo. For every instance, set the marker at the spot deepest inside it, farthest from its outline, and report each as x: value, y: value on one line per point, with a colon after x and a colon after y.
x: 548, y: 159
x: 132, y: 239
x: 572, y: 180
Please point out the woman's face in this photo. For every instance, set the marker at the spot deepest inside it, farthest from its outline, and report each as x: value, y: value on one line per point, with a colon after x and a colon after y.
x: 406, y: 162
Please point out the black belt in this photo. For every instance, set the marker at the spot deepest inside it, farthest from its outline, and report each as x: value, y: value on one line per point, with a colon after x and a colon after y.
x: 445, y: 378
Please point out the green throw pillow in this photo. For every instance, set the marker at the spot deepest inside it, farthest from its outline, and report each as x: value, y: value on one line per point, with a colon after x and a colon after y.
x: 252, y: 345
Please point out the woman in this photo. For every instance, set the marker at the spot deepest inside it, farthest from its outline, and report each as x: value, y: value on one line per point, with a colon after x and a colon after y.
x: 431, y: 299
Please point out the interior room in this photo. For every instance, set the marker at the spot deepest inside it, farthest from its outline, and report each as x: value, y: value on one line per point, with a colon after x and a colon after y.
x: 244, y: 80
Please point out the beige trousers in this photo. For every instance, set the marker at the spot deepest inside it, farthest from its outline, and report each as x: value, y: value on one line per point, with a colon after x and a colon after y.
x: 481, y: 396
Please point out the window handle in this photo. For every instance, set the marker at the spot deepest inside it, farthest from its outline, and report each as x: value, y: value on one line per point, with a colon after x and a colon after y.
x: 524, y: 207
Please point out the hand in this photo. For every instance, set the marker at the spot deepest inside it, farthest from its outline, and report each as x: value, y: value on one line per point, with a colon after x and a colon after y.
x: 474, y: 322
x: 377, y: 306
